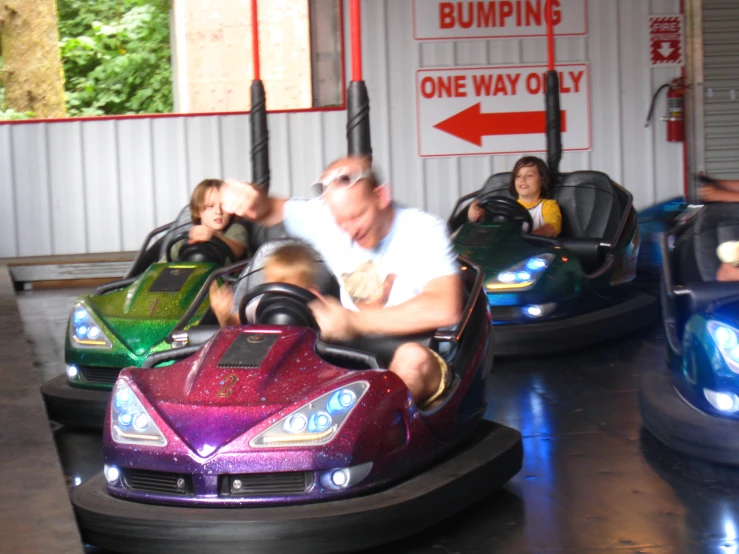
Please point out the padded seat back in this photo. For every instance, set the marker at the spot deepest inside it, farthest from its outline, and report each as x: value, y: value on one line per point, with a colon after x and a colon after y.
x: 182, y: 223
x: 253, y: 274
x: 496, y: 185
x: 590, y: 206
x: 694, y: 254
x: 260, y: 235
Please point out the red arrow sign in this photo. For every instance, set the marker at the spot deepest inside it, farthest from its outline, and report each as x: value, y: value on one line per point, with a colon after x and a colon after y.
x: 471, y: 124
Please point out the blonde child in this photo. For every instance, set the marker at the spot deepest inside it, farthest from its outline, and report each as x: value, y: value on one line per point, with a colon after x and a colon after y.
x: 293, y: 264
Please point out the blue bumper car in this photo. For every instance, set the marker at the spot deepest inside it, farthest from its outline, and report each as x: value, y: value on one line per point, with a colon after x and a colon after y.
x: 693, y: 405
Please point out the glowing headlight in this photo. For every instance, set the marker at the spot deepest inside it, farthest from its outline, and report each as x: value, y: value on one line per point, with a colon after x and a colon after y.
x: 85, y: 331
x: 342, y: 478
x: 72, y: 372
x: 520, y: 276
x: 129, y: 421
x: 727, y: 342
x: 111, y: 473
x: 318, y: 422
x: 722, y: 401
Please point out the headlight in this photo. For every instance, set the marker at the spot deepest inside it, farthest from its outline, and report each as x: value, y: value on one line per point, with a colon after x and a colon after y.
x: 85, y: 331
x: 318, y: 422
x: 129, y: 421
x: 520, y: 276
x: 726, y: 339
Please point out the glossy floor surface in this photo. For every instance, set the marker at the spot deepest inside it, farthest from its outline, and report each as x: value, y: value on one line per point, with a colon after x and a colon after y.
x: 593, y: 481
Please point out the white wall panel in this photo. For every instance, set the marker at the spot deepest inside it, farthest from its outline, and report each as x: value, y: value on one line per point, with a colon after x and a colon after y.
x: 203, y: 139
x: 136, y: 174
x: 235, y: 147
x: 172, y: 186
x: 126, y: 176
x: 102, y: 183
x: 8, y: 247
x: 31, y: 189
x: 69, y: 231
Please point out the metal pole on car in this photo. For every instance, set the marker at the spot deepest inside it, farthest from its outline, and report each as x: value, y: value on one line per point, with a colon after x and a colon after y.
x: 258, y: 115
x: 554, y: 118
x: 358, y: 122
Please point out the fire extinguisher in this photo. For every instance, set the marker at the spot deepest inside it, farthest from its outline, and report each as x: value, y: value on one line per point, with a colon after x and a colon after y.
x: 675, y: 116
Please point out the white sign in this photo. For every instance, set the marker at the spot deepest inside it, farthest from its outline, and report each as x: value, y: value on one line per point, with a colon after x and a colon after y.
x: 440, y: 20
x: 498, y: 110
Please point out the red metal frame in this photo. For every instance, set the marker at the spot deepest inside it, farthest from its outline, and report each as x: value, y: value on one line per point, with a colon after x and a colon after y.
x: 551, y: 55
x: 340, y: 108
x: 686, y: 168
x: 255, y: 39
x: 355, y: 21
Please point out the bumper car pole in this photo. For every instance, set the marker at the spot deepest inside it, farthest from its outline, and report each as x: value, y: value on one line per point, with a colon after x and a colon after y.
x: 358, y: 122
x: 258, y: 115
x: 554, y: 117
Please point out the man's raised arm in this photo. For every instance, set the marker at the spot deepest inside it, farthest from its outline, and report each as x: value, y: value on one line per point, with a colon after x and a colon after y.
x: 252, y: 202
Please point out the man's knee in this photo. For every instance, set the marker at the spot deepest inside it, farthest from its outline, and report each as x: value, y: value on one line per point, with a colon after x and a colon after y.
x: 414, y: 357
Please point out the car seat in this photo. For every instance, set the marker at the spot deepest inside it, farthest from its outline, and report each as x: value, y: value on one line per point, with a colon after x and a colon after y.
x: 693, y: 260
x: 592, y: 210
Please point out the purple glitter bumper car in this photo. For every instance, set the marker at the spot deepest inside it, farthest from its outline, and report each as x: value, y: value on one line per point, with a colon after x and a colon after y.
x: 271, y: 440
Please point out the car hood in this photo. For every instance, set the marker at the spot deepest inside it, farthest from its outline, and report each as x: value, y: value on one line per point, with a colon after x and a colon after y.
x: 495, y: 246
x: 241, y: 378
x: 726, y: 312
x: 144, y: 313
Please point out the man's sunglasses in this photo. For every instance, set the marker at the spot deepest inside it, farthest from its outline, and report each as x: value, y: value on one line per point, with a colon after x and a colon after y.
x: 341, y: 178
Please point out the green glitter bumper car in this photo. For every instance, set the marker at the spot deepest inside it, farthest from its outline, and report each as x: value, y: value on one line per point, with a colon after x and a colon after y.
x: 121, y: 324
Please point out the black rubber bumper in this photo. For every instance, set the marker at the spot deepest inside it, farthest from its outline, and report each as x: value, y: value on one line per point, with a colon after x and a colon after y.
x: 673, y: 421
x: 74, y: 406
x: 341, y: 526
x: 549, y: 337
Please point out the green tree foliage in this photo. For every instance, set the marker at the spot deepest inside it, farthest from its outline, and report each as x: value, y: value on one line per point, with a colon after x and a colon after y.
x: 116, y: 56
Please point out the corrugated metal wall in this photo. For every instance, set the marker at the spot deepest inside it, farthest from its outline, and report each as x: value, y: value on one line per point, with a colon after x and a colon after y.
x: 721, y: 87
x: 75, y: 187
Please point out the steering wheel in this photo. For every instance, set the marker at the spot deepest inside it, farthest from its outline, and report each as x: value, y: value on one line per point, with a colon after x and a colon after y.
x: 280, y: 304
x: 502, y: 208
x: 214, y: 250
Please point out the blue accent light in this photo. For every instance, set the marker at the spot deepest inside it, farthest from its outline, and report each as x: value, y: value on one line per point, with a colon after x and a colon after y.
x: 506, y: 277
x: 725, y: 337
x: 122, y: 398
x: 319, y: 422
x: 125, y: 419
x: 79, y: 316
x: 341, y: 401
x: 81, y: 331
x: 523, y: 276
x: 503, y: 299
x: 296, y: 423
x: 536, y: 264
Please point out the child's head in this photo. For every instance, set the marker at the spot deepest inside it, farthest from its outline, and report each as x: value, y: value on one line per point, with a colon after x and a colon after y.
x: 293, y: 264
x: 529, y: 178
x: 205, y: 205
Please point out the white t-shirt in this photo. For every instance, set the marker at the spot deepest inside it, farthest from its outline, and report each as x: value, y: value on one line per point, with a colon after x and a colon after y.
x: 416, y: 250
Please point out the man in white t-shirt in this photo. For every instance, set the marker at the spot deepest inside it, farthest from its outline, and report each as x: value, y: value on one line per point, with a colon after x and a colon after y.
x: 395, y: 265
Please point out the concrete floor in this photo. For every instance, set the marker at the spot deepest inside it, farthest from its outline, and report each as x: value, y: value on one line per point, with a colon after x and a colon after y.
x: 593, y: 481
